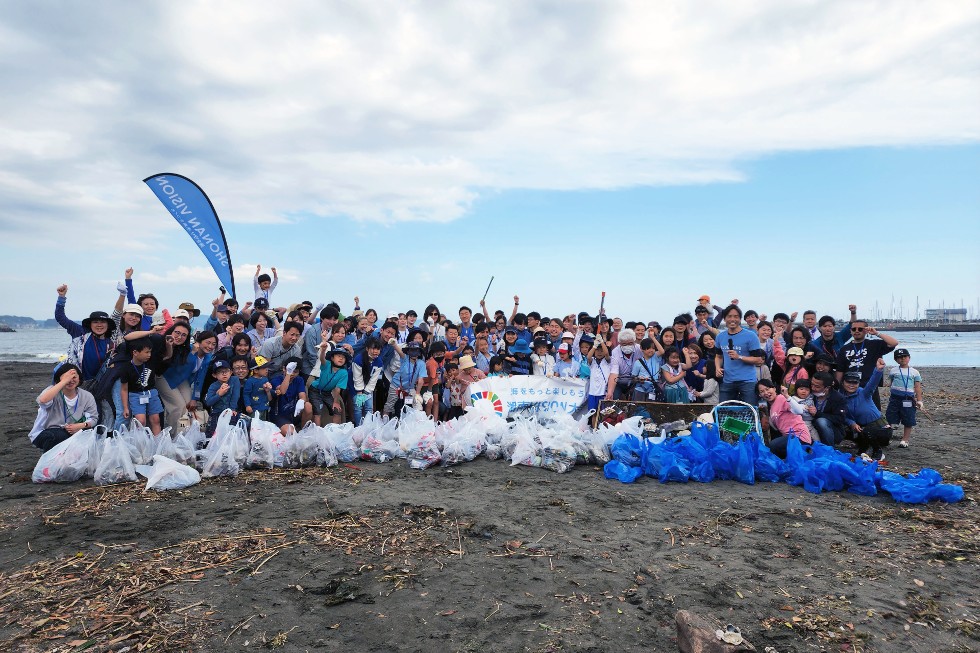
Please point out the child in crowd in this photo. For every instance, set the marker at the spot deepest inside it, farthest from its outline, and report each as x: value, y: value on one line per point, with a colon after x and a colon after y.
x: 366, y: 369
x: 263, y: 284
x: 794, y: 370
x: 906, y: 395
x: 447, y: 401
x: 697, y: 373
x: 224, y: 393
x: 327, y: 392
x: 870, y: 428
x: 257, y: 391
x: 289, y: 397
x: 408, y: 381
x: 483, y: 353
x: 542, y: 363
x: 517, y: 362
x: 711, y: 392
x: 802, y: 403
x: 435, y: 371
x: 673, y: 371
x: 468, y: 374
x: 566, y: 367
x: 600, y: 366
x: 496, y: 366
x: 646, y: 371
x: 139, y: 394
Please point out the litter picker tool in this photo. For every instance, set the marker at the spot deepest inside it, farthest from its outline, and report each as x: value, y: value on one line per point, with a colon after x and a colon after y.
x: 487, y: 290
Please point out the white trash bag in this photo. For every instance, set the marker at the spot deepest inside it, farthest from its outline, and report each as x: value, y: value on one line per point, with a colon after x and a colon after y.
x: 116, y: 464
x: 168, y: 474
x: 67, y: 461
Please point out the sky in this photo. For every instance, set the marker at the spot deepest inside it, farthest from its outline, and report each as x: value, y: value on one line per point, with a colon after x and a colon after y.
x: 792, y: 154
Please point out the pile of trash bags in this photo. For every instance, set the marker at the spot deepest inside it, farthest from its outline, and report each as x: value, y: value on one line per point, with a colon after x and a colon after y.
x: 558, y: 443
x: 703, y: 457
x: 118, y: 456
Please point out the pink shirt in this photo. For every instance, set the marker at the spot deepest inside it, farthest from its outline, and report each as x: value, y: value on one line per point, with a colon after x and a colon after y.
x: 788, y: 422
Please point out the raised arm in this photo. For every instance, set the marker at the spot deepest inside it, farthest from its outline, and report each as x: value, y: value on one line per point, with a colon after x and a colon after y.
x: 73, y: 328
x: 130, y: 292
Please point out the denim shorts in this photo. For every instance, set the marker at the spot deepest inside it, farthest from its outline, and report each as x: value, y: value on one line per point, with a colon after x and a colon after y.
x: 897, y: 413
x: 152, y: 407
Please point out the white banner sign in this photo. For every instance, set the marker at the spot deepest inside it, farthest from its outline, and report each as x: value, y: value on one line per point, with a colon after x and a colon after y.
x: 528, y: 394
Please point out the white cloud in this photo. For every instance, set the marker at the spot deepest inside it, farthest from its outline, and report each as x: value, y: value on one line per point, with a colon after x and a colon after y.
x: 399, y: 111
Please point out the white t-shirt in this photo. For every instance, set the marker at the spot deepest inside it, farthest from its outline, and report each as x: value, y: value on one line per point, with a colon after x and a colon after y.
x: 56, y: 413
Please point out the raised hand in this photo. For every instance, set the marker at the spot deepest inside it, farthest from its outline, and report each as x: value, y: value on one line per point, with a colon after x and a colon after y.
x: 129, y: 273
x: 62, y: 290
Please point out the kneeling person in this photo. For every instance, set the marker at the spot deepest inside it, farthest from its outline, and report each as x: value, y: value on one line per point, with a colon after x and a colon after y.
x: 63, y: 409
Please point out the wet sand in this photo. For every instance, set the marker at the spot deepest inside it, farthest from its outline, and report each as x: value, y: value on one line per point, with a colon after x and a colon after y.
x: 485, y: 556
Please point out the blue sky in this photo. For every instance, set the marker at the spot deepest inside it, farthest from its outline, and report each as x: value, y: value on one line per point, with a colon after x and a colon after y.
x: 795, y: 155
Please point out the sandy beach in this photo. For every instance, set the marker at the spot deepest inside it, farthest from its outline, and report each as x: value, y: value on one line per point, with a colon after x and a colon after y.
x: 485, y: 556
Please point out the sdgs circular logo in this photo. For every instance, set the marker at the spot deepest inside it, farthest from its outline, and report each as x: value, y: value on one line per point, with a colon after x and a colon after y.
x: 487, y: 399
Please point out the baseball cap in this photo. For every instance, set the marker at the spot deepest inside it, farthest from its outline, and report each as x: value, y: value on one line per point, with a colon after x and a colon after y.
x: 261, y: 304
x: 901, y: 352
x: 221, y: 308
x: 133, y: 308
x: 852, y: 376
x: 794, y: 351
x: 182, y: 313
x: 563, y: 347
x: 220, y: 365
x: 704, y: 298
x: 259, y: 362
x: 567, y: 334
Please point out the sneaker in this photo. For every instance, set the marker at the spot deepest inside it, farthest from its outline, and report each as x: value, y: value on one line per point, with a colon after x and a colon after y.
x: 904, y: 444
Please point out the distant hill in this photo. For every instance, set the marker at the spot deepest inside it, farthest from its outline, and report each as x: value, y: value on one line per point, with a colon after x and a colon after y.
x: 20, y: 322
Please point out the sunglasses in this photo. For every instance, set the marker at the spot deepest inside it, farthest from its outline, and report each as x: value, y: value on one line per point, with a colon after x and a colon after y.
x: 857, y: 329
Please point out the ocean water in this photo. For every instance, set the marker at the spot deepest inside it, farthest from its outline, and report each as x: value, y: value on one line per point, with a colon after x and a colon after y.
x: 928, y: 348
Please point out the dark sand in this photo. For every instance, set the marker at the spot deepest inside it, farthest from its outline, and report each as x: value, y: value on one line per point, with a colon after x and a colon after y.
x: 484, y: 556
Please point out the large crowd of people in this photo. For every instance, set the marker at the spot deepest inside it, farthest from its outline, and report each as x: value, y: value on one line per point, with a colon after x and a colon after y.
x: 816, y: 380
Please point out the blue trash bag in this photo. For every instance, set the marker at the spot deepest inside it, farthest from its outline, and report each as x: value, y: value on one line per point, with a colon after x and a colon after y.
x: 705, y: 434
x: 621, y: 471
x: 744, y: 463
x: 768, y: 466
x: 673, y: 467
x: 721, y: 457
x: 923, y: 487
x: 627, y: 449
x: 651, y: 458
x: 703, y: 472
x: 691, y: 449
x: 860, y: 477
x: 796, y: 458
